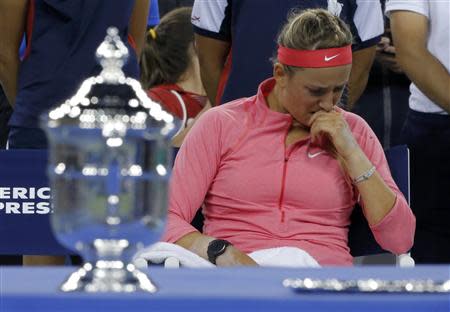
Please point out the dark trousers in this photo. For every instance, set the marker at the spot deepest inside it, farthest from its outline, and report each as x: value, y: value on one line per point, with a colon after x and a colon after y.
x: 428, y: 138
x: 5, y: 114
x: 26, y: 138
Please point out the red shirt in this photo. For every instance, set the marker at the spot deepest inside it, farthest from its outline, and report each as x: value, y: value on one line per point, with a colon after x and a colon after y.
x: 163, y: 94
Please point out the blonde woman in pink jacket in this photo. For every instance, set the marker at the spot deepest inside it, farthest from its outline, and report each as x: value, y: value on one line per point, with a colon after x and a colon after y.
x: 286, y: 166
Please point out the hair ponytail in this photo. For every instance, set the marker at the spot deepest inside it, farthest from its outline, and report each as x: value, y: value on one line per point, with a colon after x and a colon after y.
x: 165, y: 56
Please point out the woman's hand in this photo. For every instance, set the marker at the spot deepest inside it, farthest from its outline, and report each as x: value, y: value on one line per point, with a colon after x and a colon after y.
x: 331, y: 132
x: 234, y: 257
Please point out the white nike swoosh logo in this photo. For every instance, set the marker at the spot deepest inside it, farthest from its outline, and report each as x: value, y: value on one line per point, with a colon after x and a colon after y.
x: 327, y: 59
x: 315, y: 154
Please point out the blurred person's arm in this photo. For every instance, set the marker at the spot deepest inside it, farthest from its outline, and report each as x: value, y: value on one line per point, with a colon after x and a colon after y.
x: 362, y: 63
x: 12, y: 26
x: 410, y: 32
x: 212, y: 27
x: 367, y: 26
x: 138, y: 24
x: 212, y: 54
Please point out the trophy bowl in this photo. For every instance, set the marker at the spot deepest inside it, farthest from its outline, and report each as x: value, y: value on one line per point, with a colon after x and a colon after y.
x: 109, y: 166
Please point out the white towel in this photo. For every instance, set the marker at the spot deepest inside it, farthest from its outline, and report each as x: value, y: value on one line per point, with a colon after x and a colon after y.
x: 158, y: 253
x: 288, y: 257
x: 272, y: 257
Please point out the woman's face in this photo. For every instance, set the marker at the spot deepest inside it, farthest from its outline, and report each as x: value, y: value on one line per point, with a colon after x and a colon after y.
x: 309, y: 90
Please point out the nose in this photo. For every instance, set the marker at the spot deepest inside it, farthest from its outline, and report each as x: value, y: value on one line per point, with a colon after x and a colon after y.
x: 327, y: 102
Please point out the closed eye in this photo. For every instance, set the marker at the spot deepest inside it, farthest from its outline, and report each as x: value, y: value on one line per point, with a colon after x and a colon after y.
x: 317, y: 92
x: 314, y: 91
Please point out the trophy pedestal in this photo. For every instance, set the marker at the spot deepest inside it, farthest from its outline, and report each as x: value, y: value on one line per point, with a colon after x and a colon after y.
x: 108, y: 276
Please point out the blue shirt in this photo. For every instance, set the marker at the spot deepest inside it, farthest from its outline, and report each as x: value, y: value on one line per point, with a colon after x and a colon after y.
x: 65, y: 35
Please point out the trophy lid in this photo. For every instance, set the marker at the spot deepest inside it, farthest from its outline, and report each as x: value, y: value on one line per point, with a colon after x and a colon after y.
x: 111, y: 102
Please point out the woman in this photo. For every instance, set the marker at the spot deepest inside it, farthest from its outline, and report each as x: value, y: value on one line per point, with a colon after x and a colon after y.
x: 170, y: 69
x: 286, y: 166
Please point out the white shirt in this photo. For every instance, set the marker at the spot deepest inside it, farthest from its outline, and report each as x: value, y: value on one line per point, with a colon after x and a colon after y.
x: 438, y: 14
x: 209, y: 15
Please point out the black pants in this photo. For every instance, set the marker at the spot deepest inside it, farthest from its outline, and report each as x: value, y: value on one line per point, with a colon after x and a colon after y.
x: 428, y: 138
x: 5, y: 114
x: 29, y: 138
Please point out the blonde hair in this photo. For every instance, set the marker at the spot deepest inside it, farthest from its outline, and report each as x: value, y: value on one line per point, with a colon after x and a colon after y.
x: 313, y: 29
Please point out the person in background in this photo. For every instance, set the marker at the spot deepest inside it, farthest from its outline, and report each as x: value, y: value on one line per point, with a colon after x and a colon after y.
x: 62, y: 37
x: 226, y: 30
x: 420, y: 30
x: 285, y: 167
x: 48, y: 76
x: 170, y: 69
x: 384, y: 103
x: 5, y: 107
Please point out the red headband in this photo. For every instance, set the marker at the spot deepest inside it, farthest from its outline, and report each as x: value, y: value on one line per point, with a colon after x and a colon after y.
x: 315, y: 58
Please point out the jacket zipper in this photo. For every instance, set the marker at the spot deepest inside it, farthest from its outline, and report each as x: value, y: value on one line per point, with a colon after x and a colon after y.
x: 283, y: 179
x: 283, y: 182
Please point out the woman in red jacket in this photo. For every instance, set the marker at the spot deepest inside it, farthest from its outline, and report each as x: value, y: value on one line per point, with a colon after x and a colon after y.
x: 170, y: 69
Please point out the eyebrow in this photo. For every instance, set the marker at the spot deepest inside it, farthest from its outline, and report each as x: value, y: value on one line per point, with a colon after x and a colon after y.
x: 324, y: 88
x: 340, y: 86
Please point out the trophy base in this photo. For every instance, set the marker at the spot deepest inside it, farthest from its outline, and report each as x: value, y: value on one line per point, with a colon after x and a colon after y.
x: 108, y: 276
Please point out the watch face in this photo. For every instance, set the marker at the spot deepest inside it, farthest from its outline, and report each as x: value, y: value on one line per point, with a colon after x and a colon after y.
x: 216, y: 248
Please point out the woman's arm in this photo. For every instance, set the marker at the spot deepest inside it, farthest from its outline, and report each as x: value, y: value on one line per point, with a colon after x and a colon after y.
x: 195, y: 167
x: 384, y: 206
x: 378, y: 198
x: 198, y: 243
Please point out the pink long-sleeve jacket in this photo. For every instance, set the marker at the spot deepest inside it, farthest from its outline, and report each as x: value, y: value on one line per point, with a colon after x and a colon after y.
x: 259, y: 194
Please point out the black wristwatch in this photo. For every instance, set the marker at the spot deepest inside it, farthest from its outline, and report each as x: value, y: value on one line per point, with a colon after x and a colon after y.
x: 216, y: 248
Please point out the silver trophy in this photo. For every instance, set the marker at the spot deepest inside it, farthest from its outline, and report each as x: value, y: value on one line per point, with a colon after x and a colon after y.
x: 109, y: 165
